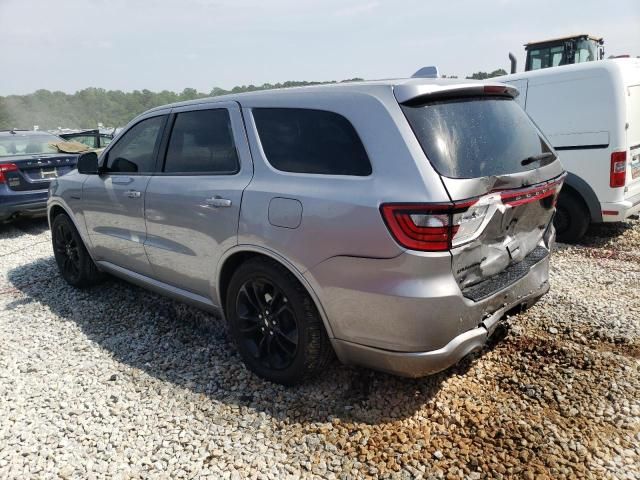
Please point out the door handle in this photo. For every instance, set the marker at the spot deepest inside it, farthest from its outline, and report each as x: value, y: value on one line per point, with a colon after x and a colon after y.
x: 217, y: 202
x: 133, y: 194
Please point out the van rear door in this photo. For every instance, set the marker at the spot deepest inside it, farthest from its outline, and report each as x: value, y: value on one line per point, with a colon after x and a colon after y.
x: 633, y: 140
x: 501, y: 174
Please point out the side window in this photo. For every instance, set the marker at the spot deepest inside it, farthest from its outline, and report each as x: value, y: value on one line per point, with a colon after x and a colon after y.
x: 535, y: 59
x: 84, y: 139
x: 202, y: 142
x: 134, y: 151
x: 556, y: 56
x: 311, y: 141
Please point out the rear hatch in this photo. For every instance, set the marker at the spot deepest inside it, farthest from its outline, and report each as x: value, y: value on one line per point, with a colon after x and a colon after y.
x: 34, y: 172
x: 501, y: 174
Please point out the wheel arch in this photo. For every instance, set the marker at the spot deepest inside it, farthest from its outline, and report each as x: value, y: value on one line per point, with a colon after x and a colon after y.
x: 236, y: 256
x: 580, y: 188
x: 56, y: 209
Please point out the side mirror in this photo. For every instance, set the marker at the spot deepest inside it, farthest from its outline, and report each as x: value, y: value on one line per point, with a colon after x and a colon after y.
x: 88, y: 163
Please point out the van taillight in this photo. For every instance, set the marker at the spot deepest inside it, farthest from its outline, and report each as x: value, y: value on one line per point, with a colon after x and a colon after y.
x: 6, y: 168
x: 618, y: 174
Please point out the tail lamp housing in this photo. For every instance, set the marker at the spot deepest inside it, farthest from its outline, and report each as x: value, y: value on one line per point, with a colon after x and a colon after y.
x: 6, y: 168
x: 618, y: 174
x: 438, y: 227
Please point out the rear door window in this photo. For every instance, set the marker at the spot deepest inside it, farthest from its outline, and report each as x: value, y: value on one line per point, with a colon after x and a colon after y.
x: 202, y: 142
x: 311, y: 141
x: 477, y: 136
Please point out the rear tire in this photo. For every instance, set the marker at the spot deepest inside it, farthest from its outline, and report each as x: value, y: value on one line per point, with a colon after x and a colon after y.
x: 275, y: 324
x: 572, y: 218
x: 74, y: 262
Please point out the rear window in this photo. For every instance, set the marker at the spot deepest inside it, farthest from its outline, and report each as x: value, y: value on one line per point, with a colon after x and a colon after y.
x: 477, y: 136
x: 32, y: 144
x: 310, y: 141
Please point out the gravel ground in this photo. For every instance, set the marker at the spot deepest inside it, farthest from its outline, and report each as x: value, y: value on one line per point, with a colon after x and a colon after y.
x: 118, y: 382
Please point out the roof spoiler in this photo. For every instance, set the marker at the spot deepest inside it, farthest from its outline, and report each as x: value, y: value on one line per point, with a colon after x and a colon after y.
x: 418, y: 93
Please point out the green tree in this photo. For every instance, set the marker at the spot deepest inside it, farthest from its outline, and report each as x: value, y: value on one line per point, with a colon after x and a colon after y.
x: 485, y: 75
x: 90, y: 106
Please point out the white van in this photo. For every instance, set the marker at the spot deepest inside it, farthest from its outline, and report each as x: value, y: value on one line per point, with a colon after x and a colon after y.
x: 591, y: 114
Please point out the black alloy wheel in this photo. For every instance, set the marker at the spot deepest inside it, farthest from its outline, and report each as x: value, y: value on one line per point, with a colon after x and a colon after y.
x: 74, y: 262
x: 268, y: 325
x: 66, y: 251
x: 275, y: 324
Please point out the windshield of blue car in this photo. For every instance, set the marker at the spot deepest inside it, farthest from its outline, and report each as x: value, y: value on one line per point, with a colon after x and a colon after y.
x: 31, y: 144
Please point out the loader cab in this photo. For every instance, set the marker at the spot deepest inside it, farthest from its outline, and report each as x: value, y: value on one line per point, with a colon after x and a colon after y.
x: 563, y: 51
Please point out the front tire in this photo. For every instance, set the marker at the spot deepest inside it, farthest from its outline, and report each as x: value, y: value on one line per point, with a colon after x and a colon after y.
x: 74, y: 262
x: 572, y: 218
x: 275, y: 324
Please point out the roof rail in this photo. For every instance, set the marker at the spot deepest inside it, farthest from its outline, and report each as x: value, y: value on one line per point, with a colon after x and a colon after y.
x: 14, y: 130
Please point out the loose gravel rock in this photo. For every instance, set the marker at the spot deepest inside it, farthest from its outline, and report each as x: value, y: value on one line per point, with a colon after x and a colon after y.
x: 119, y: 382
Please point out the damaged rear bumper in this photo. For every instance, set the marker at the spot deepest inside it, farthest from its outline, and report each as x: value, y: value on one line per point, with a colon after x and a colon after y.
x: 418, y: 364
x: 448, y: 323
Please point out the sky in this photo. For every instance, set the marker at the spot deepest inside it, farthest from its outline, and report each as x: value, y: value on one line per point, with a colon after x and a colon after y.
x: 69, y: 45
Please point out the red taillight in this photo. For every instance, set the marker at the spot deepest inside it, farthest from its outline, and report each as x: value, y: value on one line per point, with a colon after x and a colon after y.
x: 438, y: 227
x: 6, y: 168
x: 425, y: 227
x: 618, y: 174
x: 496, y: 89
x: 520, y: 197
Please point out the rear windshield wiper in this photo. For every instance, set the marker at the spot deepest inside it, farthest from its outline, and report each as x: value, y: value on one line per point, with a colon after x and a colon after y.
x: 537, y: 158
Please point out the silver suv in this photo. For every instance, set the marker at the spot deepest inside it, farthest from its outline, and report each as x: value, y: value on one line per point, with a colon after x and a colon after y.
x: 392, y: 222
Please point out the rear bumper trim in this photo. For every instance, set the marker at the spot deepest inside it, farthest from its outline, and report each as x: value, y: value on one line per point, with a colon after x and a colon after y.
x: 30, y: 205
x: 623, y: 209
x: 507, y: 277
x: 418, y: 364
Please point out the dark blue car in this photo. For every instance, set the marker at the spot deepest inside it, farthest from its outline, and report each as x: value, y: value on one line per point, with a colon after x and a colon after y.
x: 28, y: 162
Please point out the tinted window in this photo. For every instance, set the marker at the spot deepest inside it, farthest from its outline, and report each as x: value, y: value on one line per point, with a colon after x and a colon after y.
x: 476, y: 137
x: 134, y: 152
x: 202, y: 142
x: 310, y: 141
x: 88, y: 140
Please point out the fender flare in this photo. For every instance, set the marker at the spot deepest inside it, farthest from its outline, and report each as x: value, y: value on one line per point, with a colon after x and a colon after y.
x: 82, y: 232
x: 587, y: 194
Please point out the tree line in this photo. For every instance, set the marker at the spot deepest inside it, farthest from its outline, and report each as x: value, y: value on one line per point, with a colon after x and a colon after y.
x: 114, y: 108
x: 86, y: 108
